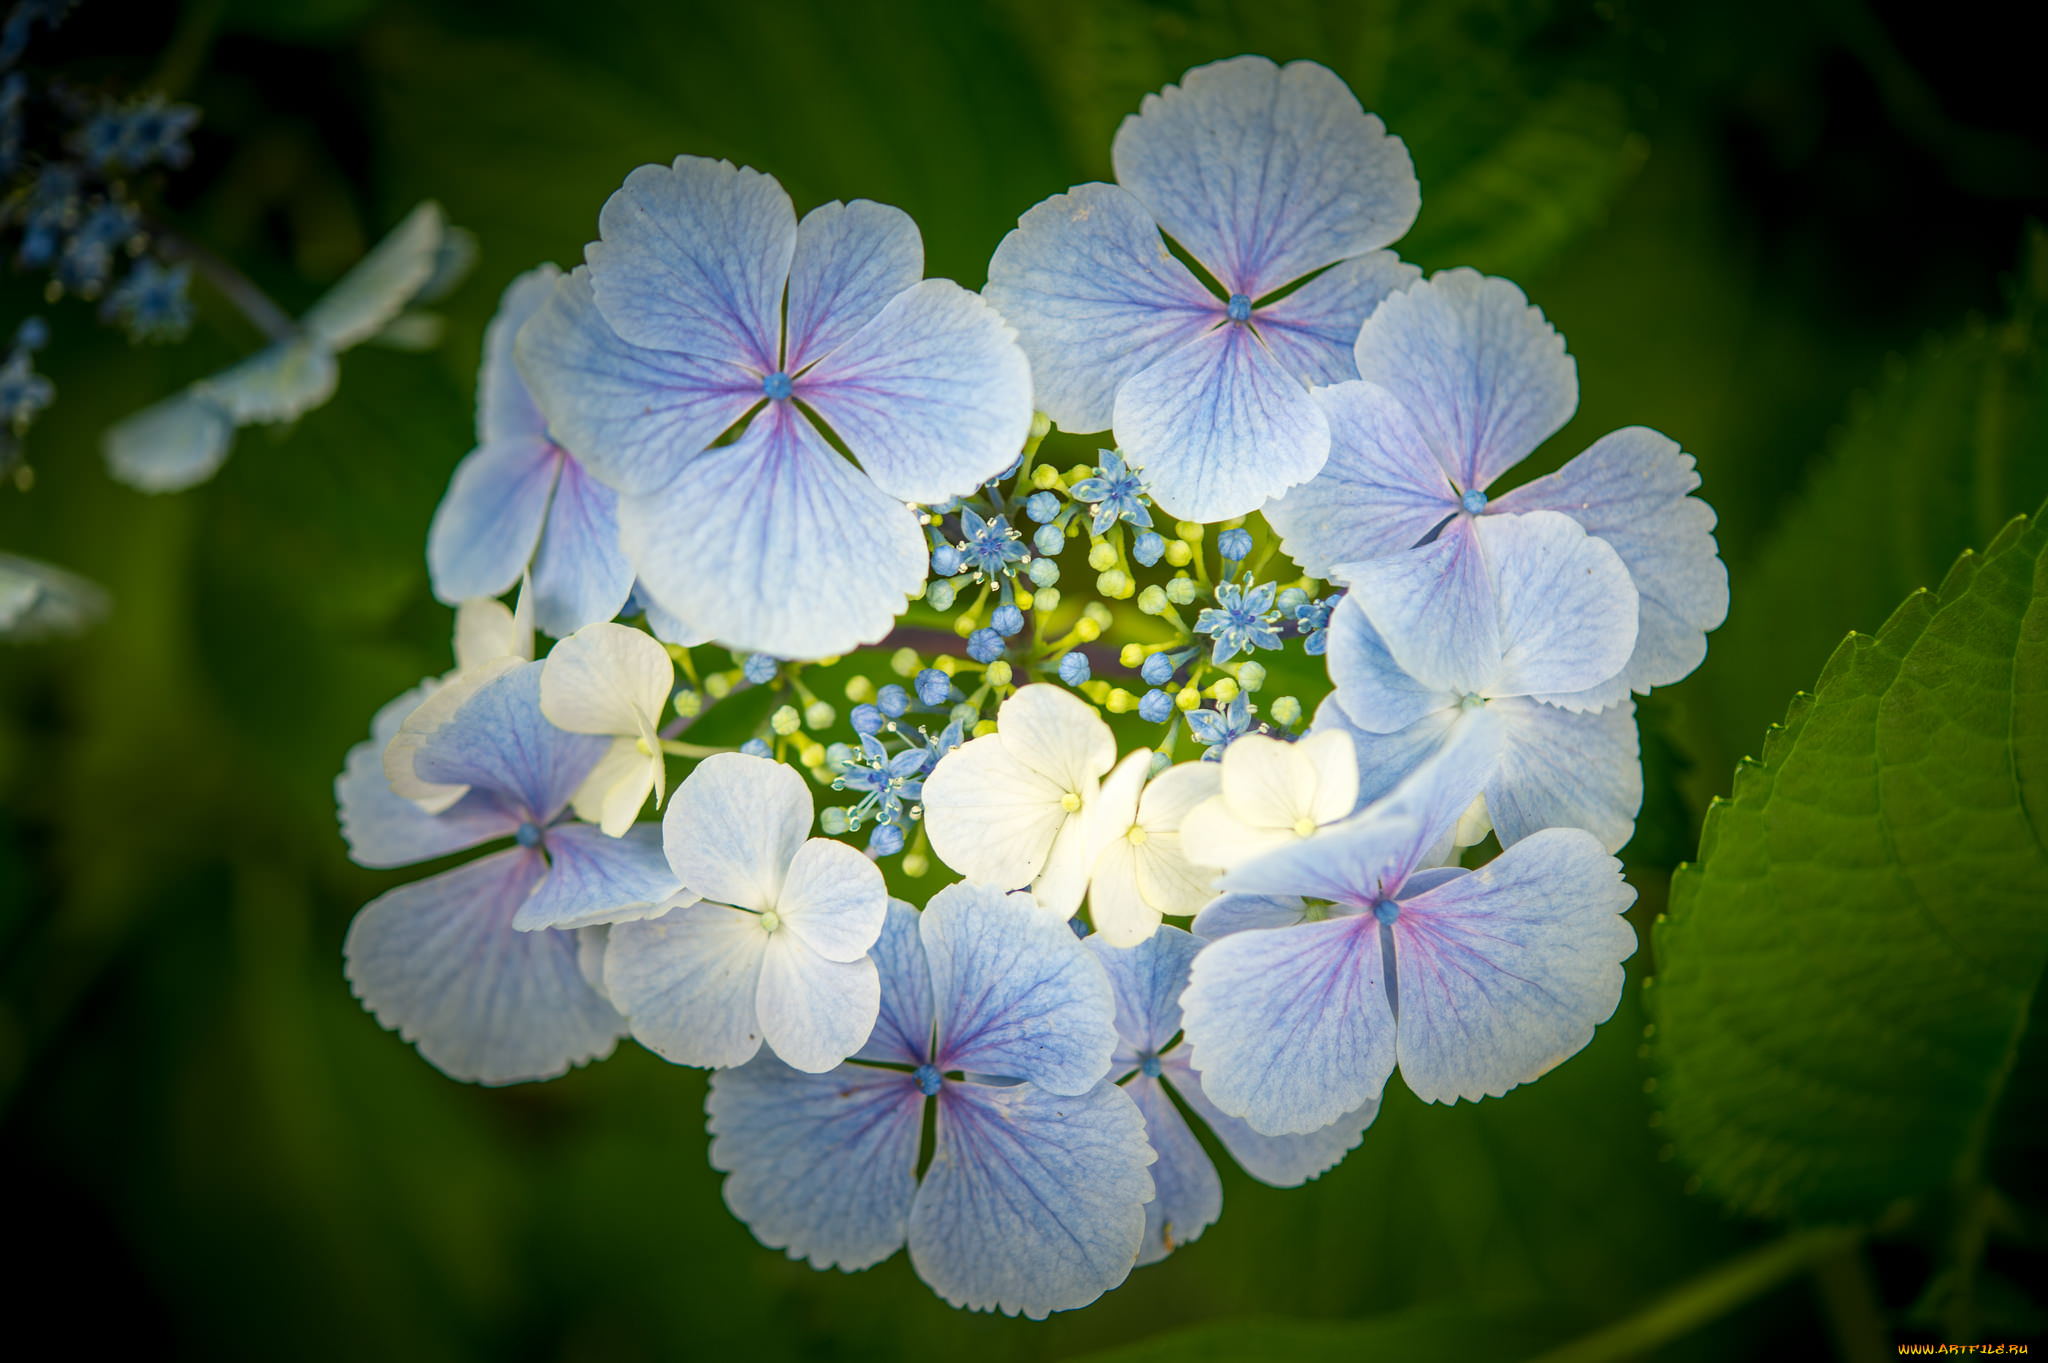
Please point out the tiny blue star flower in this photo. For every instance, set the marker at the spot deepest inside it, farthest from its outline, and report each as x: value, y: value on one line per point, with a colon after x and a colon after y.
x: 1156, y: 707
x: 1115, y: 494
x: 984, y: 645
x: 1048, y: 539
x: 1241, y: 620
x: 126, y: 137
x: 1006, y: 621
x: 1042, y: 506
x: 893, y: 700
x: 758, y: 668
x: 1158, y: 670
x: 1074, y: 668
x: 757, y: 747
x: 1312, y: 621
x: 893, y: 782
x: 1148, y: 548
x: 1234, y: 544
x: 933, y: 686
x: 88, y: 259
x: 991, y: 545
x: 886, y: 840
x: 151, y: 303
x: 1220, y: 727
x: 23, y: 392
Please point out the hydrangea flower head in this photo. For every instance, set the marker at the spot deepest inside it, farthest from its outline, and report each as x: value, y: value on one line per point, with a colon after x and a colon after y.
x: 1530, y: 621
x: 1472, y: 982
x: 521, y: 503
x: 706, y: 300
x: 1152, y: 1059
x: 1265, y: 175
x: 776, y: 948
x: 994, y: 1014
x: 479, y: 966
x: 1011, y: 808
x: 1461, y: 378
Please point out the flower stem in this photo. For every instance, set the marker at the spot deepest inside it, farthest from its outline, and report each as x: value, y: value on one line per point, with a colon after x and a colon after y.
x: 254, y: 304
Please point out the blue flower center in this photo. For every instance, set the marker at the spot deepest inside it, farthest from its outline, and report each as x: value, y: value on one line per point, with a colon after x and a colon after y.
x: 1240, y: 309
x: 1149, y: 1067
x: 777, y: 387
x: 928, y: 1081
x: 1387, y: 911
x: 528, y: 834
x: 1473, y: 501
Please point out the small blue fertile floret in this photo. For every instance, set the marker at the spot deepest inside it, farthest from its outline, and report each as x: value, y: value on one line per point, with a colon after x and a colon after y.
x: 1148, y: 548
x: 886, y: 840
x: 946, y: 560
x: 1048, y: 539
x: 777, y: 387
x: 527, y: 834
x: 151, y: 303
x: 984, y: 645
x: 1241, y: 620
x: 1042, y: 506
x: 933, y: 686
x: 1234, y: 544
x: 928, y: 1080
x: 1115, y: 494
x: 1240, y: 308
x: 759, y: 669
x: 1387, y: 911
x: 868, y: 719
x: 1074, y: 668
x: 940, y: 594
x: 991, y: 545
x: 757, y: 747
x: 1006, y: 621
x: 1473, y: 500
x: 1148, y: 1065
x: 893, y: 701
x: 1158, y: 670
x: 1155, y: 707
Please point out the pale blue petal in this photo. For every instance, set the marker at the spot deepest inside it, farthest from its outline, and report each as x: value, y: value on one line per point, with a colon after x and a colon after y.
x: 1095, y: 297
x: 687, y: 983
x: 439, y: 962
x: 1629, y: 488
x: 850, y: 260
x: 1436, y: 610
x: 1377, y: 694
x: 822, y: 1165
x: 903, y: 1027
x: 499, y: 742
x: 666, y: 626
x: 733, y: 827
x: 580, y: 575
x: 633, y: 416
x: 1034, y: 1203
x: 1312, y: 330
x: 1567, y: 608
x: 694, y: 258
x: 1506, y: 972
x: 484, y: 530
x: 834, y: 899
x: 933, y: 397
x: 1380, y: 492
x: 1230, y: 913
x: 1290, y: 1027
x: 1218, y: 427
x: 774, y: 544
x: 1565, y: 770
x: 1148, y: 979
x: 815, y: 1012
x: 383, y: 828
x: 1486, y: 378
x: 281, y: 382
x: 1187, y: 1195
x: 1281, y: 1161
x: 1385, y: 760
x: 1265, y: 173
x: 505, y: 411
x: 1014, y: 991
x: 381, y: 283
x: 178, y: 443
x: 594, y: 879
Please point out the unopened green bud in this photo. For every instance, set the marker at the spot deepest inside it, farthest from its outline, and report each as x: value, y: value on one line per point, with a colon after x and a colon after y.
x: 903, y: 662
x: 1286, y: 712
x: 1178, y: 554
x: 1115, y: 584
x: 998, y: 673
x: 1251, y: 676
x: 718, y: 686
x: 1101, y: 555
x: 785, y: 721
x: 688, y: 703
x: 1181, y: 591
x: 819, y: 715
x: 1152, y: 600
x: 860, y: 690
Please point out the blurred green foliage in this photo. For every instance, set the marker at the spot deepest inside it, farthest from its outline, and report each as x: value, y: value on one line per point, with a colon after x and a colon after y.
x: 1735, y: 213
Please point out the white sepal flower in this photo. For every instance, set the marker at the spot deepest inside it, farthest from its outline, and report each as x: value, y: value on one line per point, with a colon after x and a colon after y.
x: 1011, y: 808
x: 1140, y: 870
x: 489, y: 642
x: 1273, y: 794
x: 609, y: 679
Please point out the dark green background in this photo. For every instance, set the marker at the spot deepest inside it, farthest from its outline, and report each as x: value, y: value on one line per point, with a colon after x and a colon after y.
x: 1739, y: 215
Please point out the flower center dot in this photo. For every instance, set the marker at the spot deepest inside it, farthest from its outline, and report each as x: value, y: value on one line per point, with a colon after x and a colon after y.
x: 1136, y: 836
x: 770, y: 921
x: 777, y: 386
x: 1473, y: 702
x: 1473, y: 501
x: 1070, y: 802
x: 1240, y: 308
x: 1149, y: 1067
x: 528, y: 835
x: 1387, y: 911
x: 927, y: 1077
x: 1304, y: 826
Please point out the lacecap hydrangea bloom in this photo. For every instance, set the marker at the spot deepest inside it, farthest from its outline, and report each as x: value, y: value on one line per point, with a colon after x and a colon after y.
x: 705, y: 301
x: 1265, y: 175
x: 1034, y: 1198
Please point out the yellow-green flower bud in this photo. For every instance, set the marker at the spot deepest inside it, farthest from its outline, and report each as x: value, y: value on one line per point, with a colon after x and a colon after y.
x: 689, y: 704
x: 1181, y: 591
x: 1224, y: 690
x: 785, y: 721
x: 998, y: 673
x: 1086, y: 630
x: 1046, y: 599
x: 903, y: 662
x: 1179, y: 554
x: 718, y: 686
x: 916, y: 865
x: 1132, y: 655
x: 1188, y: 699
x: 860, y: 690
x: 947, y: 664
x: 1152, y: 600
x: 1101, y: 556
x: 1120, y: 701
x: 1189, y: 531
x: 984, y: 728
x: 1115, y: 584
x: 1251, y: 676
x: 819, y: 715
x: 1287, y: 711
x: 1099, y: 613
x: 1045, y: 477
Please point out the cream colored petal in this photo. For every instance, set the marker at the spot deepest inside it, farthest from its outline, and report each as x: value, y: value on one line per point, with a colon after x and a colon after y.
x: 1174, y: 792
x: 1334, y: 758
x: 485, y: 629
x: 607, y: 679
x: 1060, y: 886
x: 619, y: 762
x: 1267, y: 783
x: 1115, y: 901
x: 1114, y: 810
x: 627, y: 797
x: 1058, y: 735
x: 429, y: 715
x: 1170, y: 883
x: 1226, y: 840
x: 990, y: 817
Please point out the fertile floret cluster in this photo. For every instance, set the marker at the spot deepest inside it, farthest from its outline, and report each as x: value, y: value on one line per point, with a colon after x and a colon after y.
x: 737, y: 455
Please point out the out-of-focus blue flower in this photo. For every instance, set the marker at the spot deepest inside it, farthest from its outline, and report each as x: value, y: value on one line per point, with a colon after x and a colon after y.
x: 1240, y: 621
x: 1209, y: 395
x: 759, y: 668
x: 1033, y: 1197
x: 87, y: 261
x: 21, y: 22
x: 151, y: 304
x: 757, y: 747
x: 1115, y: 493
x: 24, y: 393
x: 40, y: 601
x: 136, y: 135
x: 705, y: 301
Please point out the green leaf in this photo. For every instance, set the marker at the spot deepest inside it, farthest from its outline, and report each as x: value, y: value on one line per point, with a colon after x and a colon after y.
x: 1846, y: 976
